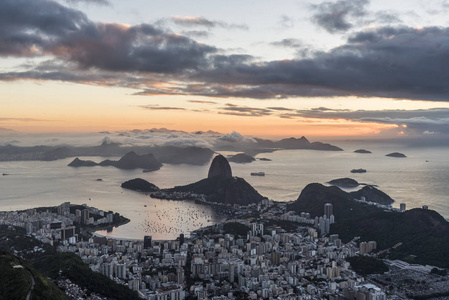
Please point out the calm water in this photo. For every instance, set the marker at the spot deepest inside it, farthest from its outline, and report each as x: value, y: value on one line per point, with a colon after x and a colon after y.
x: 411, y: 180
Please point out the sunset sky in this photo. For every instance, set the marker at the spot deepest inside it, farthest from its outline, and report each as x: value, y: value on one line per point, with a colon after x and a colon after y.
x: 267, y: 68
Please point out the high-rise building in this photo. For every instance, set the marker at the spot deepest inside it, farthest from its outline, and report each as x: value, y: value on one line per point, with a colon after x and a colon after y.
x: 147, y: 242
x: 231, y: 273
x: 328, y: 210
x: 275, y: 258
x: 85, y: 216
x: 181, y: 239
x: 180, y: 275
x: 67, y: 232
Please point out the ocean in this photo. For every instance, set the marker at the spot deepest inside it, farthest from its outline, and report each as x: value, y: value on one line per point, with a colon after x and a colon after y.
x: 420, y: 179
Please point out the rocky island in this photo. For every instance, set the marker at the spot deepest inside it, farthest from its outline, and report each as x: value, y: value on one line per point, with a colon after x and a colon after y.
x: 344, y: 182
x: 362, y: 151
x: 140, y: 185
x: 396, y: 154
x: 241, y: 158
x: 358, y: 171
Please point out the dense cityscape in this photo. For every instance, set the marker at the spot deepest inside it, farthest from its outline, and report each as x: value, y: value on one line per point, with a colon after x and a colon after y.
x: 251, y: 258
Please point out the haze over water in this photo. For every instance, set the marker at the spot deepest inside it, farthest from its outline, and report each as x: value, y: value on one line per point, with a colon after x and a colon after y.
x: 411, y: 180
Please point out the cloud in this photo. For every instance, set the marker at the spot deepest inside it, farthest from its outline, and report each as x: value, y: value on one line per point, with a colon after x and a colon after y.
x: 288, y: 43
x: 390, y: 61
x: 201, y: 102
x: 157, y: 107
x: 23, y: 120
x: 234, y: 137
x: 417, y: 121
x: 196, y: 33
x: 188, y: 21
x: 280, y: 108
x: 245, y: 111
x: 187, y: 142
x: 95, y: 2
x: 286, y: 22
x: 336, y: 16
x: 69, y: 35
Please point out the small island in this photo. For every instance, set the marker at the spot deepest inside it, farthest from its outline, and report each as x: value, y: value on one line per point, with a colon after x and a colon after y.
x: 241, y: 158
x: 364, y: 151
x: 358, y: 170
x: 264, y: 159
x: 396, y: 154
x: 344, y: 182
x: 139, y: 184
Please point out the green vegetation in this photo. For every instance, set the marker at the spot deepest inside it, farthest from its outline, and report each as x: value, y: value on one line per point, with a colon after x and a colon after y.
x: 288, y: 226
x: 78, y: 272
x: 424, y: 234
x: 235, y: 229
x: 15, y: 280
x: 15, y: 239
x: 441, y: 272
x: 366, y: 265
x: 430, y: 296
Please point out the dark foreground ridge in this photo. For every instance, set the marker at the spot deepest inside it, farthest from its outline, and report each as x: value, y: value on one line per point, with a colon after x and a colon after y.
x: 423, y: 234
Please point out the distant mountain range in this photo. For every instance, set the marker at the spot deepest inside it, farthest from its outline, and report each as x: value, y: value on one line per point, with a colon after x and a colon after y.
x: 295, y: 143
x: 130, y: 160
x: 165, y: 154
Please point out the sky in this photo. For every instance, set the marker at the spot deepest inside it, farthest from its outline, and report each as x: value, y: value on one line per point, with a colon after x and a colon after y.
x: 340, y: 68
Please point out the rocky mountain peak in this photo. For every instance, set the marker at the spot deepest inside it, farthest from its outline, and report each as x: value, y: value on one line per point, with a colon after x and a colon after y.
x: 220, y: 167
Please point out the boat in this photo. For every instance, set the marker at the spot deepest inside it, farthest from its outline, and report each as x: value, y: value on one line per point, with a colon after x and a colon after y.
x: 358, y: 171
x: 258, y: 174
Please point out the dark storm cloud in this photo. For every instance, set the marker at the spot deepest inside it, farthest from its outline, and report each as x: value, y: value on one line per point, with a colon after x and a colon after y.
x: 26, y: 27
x: 40, y: 27
x: 392, y: 62
x: 188, y: 21
x: 336, y: 16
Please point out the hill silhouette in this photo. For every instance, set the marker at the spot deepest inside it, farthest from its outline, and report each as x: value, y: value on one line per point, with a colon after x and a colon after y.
x: 424, y: 234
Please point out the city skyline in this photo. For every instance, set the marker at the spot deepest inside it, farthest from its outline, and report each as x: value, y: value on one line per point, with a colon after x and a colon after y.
x: 314, y: 68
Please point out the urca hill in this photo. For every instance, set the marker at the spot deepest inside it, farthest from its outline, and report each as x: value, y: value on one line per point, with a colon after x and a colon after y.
x: 219, y: 186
